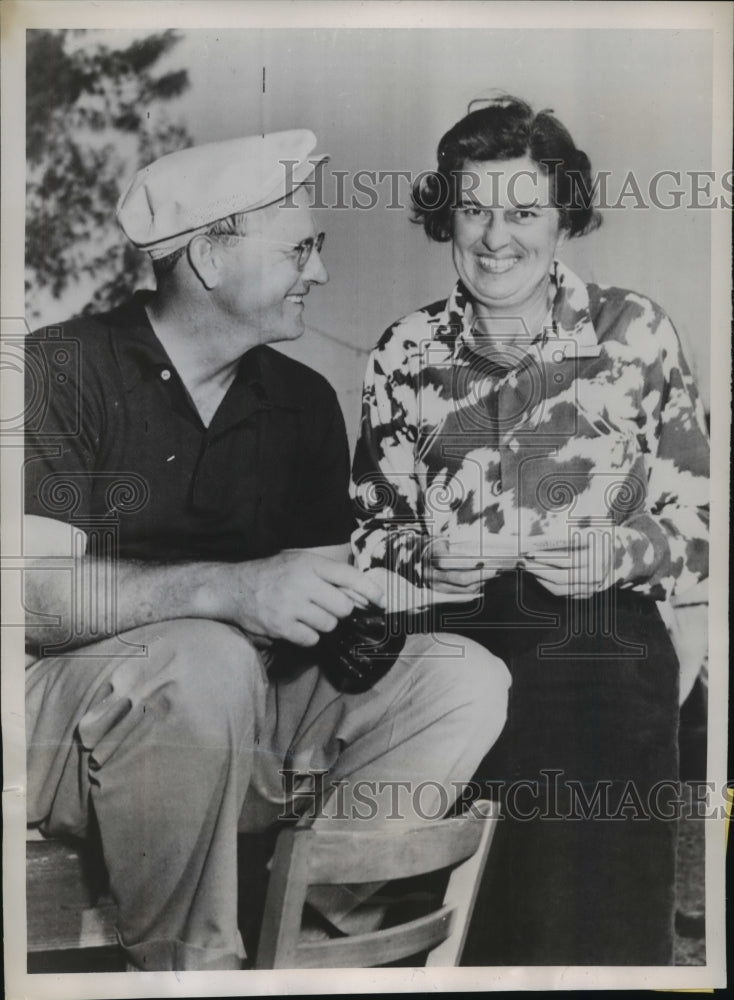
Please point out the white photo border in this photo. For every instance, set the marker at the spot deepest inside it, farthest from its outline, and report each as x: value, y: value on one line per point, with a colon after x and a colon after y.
x: 19, y: 16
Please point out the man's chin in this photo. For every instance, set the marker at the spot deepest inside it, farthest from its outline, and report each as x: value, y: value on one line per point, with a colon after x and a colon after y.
x: 293, y: 331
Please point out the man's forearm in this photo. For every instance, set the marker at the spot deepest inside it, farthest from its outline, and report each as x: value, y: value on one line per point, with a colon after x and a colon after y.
x: 294, y: 595
x: 91, y: 599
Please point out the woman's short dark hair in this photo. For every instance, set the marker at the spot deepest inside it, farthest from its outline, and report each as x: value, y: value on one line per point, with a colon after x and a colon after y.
x: 505, y: 129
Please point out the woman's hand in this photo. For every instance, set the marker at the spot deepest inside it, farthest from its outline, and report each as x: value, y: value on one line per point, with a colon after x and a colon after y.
x: 452, y: 574
x: 592, y: 561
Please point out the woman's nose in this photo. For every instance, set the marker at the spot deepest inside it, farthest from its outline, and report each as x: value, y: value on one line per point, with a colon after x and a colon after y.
x: 496, y: 234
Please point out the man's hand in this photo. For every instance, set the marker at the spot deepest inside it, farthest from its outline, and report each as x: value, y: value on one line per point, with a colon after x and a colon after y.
x: 297, y: 595
x: 593, y: 560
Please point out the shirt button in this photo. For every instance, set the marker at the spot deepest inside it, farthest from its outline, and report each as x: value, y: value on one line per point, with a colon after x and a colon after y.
x: 166, y: 374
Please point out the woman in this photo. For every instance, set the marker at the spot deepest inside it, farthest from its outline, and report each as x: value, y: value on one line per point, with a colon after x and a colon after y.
x: 536, y: 443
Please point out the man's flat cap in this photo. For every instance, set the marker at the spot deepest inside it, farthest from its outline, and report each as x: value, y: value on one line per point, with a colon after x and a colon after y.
x: 180, y: 194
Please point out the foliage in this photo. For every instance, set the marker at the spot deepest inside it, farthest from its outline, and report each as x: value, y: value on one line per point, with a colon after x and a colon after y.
x: 93, y: 116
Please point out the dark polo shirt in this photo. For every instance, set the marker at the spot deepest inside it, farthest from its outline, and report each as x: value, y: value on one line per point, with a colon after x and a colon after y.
x: 115, y: 445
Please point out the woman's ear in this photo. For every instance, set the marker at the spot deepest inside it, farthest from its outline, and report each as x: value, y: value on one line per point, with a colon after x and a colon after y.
x: 205, y: 260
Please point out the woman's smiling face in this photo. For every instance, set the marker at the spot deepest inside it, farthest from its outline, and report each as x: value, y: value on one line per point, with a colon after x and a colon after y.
x: 505, y: 235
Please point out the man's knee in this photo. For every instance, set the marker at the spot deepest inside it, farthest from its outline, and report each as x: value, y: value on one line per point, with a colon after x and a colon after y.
x: 206, y: 671
x: 478, y: 692
x: 480, y: 673
x: 463, y: 674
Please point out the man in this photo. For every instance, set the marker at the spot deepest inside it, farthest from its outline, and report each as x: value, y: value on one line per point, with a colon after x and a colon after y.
x: 199, y: 479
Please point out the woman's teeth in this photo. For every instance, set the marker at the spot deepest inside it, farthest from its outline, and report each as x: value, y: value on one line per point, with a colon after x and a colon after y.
x: 295, y: 298
x: 496, y: 265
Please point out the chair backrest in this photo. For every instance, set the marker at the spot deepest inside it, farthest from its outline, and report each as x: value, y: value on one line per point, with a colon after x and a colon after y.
x: 337, y: 853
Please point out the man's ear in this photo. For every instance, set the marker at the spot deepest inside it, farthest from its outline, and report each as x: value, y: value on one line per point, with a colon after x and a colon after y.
x: 205, y: 260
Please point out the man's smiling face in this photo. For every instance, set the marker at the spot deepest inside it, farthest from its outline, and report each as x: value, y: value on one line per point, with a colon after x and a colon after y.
x: 262, y: 284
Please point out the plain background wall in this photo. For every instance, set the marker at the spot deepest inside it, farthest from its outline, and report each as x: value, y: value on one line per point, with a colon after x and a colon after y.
x: 381, y: 99
x: 378, y: 99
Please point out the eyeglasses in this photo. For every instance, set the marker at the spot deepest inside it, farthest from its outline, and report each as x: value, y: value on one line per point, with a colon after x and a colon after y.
x: 302, y: 250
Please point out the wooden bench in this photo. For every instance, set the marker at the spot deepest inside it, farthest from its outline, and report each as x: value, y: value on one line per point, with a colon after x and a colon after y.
x: 65, y: 898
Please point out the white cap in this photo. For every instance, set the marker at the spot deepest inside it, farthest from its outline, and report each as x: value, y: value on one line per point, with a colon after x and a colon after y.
x: 182, y: 193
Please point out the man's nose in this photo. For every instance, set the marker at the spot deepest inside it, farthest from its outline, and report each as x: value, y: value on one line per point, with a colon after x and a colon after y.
x: 314, y: 271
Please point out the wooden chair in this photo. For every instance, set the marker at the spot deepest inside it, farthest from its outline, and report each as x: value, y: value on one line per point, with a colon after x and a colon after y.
x: 306, y: 855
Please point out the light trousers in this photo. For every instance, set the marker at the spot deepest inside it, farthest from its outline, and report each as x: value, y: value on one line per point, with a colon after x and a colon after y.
x: 182, y: 742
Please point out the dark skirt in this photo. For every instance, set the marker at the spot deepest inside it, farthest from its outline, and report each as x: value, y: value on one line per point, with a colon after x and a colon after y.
x: 582, y: 869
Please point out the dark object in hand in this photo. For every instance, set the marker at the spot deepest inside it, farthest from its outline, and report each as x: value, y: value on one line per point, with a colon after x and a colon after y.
x: 361, y: 649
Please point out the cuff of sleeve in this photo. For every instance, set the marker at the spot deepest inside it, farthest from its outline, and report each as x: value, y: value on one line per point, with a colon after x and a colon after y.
x: 47, y: 537
x: 642, y: 549
x: 407, y: 554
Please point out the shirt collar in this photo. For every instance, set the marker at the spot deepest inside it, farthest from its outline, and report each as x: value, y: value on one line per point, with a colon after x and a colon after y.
x: 570, y: 314
x: 141, y: 356
x: 260, y: 367
x: 571, y: 310
x: 139, y: 353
